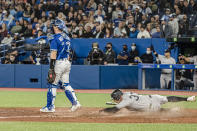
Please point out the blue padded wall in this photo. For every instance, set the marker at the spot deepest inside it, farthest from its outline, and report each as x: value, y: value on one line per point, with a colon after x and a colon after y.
x: 84, y: 77
x: 81, y: 77
x: 28, y: 76
x: 152, y: 78
x: 44, y: 69
x: 113, y: 77
x: 7, y: 75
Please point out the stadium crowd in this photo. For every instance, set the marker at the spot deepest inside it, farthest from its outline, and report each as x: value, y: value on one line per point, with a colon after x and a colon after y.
x: 21, y: 19
x: 97, y: 18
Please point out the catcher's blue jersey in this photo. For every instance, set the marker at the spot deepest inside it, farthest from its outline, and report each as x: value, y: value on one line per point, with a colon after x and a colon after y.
x: 60, y: 43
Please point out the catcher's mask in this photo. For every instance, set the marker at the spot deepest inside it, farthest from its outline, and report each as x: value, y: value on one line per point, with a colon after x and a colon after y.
x: 116, y: 94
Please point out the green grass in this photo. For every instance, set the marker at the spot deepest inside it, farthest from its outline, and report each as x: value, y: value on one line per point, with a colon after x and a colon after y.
x: 41, y: 126
x: 38, y: 99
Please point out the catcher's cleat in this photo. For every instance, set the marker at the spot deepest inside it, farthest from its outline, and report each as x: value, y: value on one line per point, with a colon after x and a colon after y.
x: 48, y: 109
x: 75, y: 107
x: 191, y: 98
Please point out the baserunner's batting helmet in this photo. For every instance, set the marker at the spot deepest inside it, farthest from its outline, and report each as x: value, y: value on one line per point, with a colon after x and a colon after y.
x: 116, y: 94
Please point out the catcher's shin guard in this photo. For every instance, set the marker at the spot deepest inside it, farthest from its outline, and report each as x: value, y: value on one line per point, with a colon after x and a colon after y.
x: 51, y: 95
x: 70, y: 93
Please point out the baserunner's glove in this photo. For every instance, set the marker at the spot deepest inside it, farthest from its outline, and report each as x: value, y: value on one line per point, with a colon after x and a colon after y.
x: 51, y: 73
x: 51, y: 76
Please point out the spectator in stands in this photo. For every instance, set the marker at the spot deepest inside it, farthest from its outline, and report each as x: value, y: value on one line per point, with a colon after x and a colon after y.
x: 28, y: 11
x: 95, y: 56
x: 29, y: 31
x: 8, y: 18
x: 92, y: 23
x: 181, y: 5
x: 146, y: 10
x: 193, y: 5
x: 99, y: 17
x: 74, y: 28
x: 187, y: 9
x: 165, y: 17
x: 137, y: 15
x: 154, y: 7
x: 98, y: 33
x: 17, y: 28
x: 157, y: 34
x: 7, y: 40
x: 183, y: 76
x: 11, y: 59
x: 166, y: 29
x: 143, y: 33
x: 120, y: 31
x: 147, y: 57
x: 3, y: 31
x: 88, y: 33
x: 21, y: 22
x: 116, y: 12
x: 91, y: 5
x: 109, y: 54
x: 100, y: 7
x: 108, y: 33
x: 133, y: 32
x: 109, y: 13
x: 154, y: 29
x: 149, y: 28
x: 174, y: 24
x: 81, y: 31
x: 69, y: 19
x: 123, y: 56
x: 183, y: 26
x: 133, y: 53
x: 144, y: 20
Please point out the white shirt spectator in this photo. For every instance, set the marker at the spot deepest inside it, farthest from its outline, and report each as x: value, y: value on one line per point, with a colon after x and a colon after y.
x: 143, y: 34
x: 118, y: 32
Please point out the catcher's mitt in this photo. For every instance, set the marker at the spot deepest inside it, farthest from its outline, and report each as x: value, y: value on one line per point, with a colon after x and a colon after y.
x: 51, y: 76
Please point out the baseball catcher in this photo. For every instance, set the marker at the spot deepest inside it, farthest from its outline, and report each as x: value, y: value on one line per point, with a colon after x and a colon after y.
x: 59, y: 68
x: 133, y: 101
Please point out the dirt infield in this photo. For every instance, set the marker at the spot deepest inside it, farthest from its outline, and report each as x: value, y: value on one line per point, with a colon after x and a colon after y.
x: 92, y: 115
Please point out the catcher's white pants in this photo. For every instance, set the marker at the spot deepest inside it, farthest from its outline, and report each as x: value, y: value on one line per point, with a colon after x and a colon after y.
x: 62, y: 71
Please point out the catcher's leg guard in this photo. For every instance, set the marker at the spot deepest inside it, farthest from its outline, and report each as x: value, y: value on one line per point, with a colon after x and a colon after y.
x: 51, y: 95
x: 70, y: 94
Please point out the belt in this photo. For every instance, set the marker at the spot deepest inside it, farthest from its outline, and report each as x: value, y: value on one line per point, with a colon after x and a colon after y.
x: 64, y: 59
x: 165, y: 73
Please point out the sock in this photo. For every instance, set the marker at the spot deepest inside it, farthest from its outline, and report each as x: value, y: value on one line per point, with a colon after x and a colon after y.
x: 176, y: 99
x: 51, y: 95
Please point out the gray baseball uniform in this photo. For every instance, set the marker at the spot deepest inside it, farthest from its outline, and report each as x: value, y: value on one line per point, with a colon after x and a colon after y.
x: 194, y: 60
x: 166, y: 74
x: 137, y: 102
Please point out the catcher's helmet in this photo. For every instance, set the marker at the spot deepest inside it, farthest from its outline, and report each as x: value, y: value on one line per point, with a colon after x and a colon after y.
x: 116, y: 94
x: 60, y: 24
